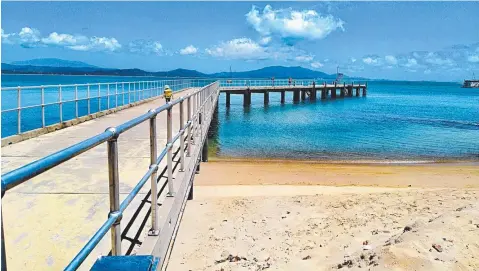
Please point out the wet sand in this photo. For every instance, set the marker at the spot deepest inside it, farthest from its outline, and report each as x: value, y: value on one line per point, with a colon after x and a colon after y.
x: 276, y: 215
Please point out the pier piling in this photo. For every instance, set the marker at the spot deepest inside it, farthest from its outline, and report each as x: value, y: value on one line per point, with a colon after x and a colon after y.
x: 283, y: 94
x: 266, y: 97
x: 296, y: 96
x: 228, y: 99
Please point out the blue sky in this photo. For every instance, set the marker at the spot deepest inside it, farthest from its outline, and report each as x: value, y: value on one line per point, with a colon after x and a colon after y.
x: 396, y: 40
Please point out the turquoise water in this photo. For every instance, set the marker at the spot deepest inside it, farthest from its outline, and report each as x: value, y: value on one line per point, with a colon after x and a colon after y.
x: 396, y: 121
x: 31, y: 118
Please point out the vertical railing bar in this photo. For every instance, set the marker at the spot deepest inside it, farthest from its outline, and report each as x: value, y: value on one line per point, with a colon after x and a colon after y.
x: 88, y: 98
x: 188, y: 112
x: 169, y: 155
x: 114, y: 191
x: 116, y: 94
x: 43, y: 106
x: 19, y: 111
x: 76, y: 101
x: 182, y: 138
x: 108, y: 96
x: 60, y: 101
x: 154, y: 231
x: 99, y: 98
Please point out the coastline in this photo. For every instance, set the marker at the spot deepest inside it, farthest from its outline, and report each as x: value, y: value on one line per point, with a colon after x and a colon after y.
x: 450, y: 161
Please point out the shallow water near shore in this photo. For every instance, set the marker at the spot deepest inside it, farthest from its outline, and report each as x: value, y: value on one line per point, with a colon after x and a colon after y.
x: 397, y: 121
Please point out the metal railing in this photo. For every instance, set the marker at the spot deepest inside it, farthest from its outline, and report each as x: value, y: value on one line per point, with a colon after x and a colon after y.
x: 228, y: 83
x: 75, y: 101
x: 199, y: 103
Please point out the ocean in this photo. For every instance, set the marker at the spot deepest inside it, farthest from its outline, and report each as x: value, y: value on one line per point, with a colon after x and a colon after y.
x: 406, y: 121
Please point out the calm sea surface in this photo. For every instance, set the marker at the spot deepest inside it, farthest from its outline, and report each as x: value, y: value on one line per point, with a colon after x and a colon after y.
x: 396, y: 121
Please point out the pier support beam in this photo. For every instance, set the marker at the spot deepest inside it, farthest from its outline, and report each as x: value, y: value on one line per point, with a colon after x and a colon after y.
x: 296, y: 96
x: 357, y: 92
x: 228, y: 99
x: 324, y: 94
x: 283, y: 95
x: 204, y: 154
x: 364, y: 92
x: 303, y: 95
x: 333, y: 93
x: 247, y: 98
x: 342, y: 90
x: 266, y: 97
x: 350, y: 91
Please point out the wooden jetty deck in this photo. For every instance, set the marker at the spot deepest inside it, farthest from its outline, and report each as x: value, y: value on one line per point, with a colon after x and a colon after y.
x: 300, y: 92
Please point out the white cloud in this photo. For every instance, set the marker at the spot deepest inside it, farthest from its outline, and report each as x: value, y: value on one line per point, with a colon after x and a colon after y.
x: 290, y: 24
x: 304, y: 58
x: 316, y: 65
x: 189, y: 50
x: 473, y: 58
x: 242, y: 48
x: 31, y: 37
x: 391, y: 60
x: 353, y: 59
x: 411, y: 62
x: 371, y: 60
x: 265, y: 40
x: 64, y: 40
x: 146, y: 47
x: 435, y: 59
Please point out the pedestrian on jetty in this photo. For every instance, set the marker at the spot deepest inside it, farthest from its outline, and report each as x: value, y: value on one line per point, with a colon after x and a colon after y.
x: 168, y: 94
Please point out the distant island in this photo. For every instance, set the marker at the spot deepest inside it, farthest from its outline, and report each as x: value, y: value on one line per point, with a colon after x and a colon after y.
x: 54, y: 66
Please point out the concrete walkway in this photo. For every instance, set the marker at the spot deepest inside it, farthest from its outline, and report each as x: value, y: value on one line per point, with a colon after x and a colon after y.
x: 48, y: 219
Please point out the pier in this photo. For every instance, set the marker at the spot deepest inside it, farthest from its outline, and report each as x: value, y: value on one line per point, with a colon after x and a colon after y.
x: 115, y: 182
x: 302, y: 92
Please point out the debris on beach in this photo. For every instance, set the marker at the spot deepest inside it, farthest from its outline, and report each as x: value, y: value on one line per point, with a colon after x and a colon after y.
x: 437, y: 247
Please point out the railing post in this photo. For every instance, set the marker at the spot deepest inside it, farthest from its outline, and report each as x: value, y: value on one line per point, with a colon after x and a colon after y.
x: 88, y: 97
x: 76, y: 101
x: 99, y: 98
x: 60, y: 101
x: 182, y: 138
x: 114, y: 188
x: 188, y: 112
x: 154, y: 231
x: 169, y: 155
x: 129, y: 90
x: 43, y: 105
x: 19, y: 111
x: 108, y: 96
x: 116, y: 94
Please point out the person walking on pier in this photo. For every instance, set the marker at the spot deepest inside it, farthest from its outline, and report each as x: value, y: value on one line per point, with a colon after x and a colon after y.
x: 168, y: 94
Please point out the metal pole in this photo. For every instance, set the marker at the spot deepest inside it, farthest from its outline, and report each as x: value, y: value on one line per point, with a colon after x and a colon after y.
x: 116, y: 94
x: 108, y: 96
x: 43, y: 106
x: 190, y: 140
x: 154, y: 231
x: 182, y: 138
x: 19, y: 112
x: 114, y: 182
x: 169, y: 155
x: 129, y: 90
x: 99, y: 99
x: 88, y: 97
x: 76, y: 101
x: 61, y: 104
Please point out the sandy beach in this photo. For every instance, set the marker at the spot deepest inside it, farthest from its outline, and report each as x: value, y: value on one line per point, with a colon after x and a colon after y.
x: 277, y: 215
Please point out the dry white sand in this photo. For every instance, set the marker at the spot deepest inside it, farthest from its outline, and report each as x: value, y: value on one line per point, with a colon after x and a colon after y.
x: 314, y: 227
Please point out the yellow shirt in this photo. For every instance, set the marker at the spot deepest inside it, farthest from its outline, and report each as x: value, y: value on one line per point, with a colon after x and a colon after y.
x: 168, y: 93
